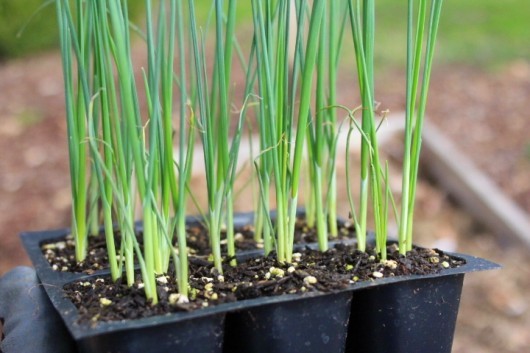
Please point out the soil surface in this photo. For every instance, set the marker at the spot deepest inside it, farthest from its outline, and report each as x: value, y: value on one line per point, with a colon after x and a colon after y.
x: 100, y: 299
x: 60, y: 253
x: 485, y: 113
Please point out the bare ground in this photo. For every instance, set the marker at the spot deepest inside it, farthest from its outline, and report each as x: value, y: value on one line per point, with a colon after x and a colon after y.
x: 484, y: 113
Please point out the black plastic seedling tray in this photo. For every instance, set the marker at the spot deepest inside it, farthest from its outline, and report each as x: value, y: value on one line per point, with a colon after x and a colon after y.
x: 402, y: 314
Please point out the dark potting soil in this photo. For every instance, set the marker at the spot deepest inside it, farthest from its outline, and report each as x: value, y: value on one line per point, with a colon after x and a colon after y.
x: 61, y: 253
x: 199, y: 244
x: 102, y: 300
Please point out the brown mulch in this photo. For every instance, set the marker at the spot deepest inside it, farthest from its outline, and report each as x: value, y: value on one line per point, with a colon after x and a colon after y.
x: 484, y: 113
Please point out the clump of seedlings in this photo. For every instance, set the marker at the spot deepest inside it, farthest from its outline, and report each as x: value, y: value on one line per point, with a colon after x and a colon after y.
x: 422, y: 26
x: 130, y: 148
x: 132, y: 135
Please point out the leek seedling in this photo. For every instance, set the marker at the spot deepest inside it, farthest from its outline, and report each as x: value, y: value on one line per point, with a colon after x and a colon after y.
x: 420, y: 53
x: 143, y: 167
x: 77, y: 102
x: 317, y: 14
x: 362, y: 20
x: 220, y: 158
x: 268, y: 109
x: 374, y: 179
x: 335, y: 34
x: 323, y: 134
x: 316, y: 145
x: 266, y: 115
x: 276, y: 125
x: 185, y: 152
x: 130, y: 161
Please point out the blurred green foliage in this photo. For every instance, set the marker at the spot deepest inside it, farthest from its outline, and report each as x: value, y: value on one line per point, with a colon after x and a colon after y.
x: 487, y: 33
x: 24, y: 29
x: 40, y: 33
x: 484, y: 33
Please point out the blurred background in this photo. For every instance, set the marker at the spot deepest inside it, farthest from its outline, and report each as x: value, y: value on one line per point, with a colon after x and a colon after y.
x: 479, y: 98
